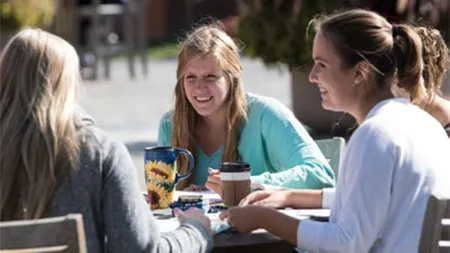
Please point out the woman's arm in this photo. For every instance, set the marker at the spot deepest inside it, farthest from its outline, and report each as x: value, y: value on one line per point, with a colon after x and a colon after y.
x: 294, y: 155
x: 297, y: 199
x: 281, y: 225
x: 366, y: 198
x: 128, y: 222
x: 304, y: 199
x: 249, y: 218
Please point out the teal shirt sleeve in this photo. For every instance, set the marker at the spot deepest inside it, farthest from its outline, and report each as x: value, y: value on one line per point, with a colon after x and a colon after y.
x: 165, y: 130
x: 295, y: 158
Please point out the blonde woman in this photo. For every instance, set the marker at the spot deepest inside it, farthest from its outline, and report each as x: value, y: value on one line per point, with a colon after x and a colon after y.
x: 219, y: 122
x: 436, y: 59
x: 54, y: 161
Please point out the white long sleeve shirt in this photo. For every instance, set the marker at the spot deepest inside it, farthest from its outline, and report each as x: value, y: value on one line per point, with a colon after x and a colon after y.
x: 393, y: 161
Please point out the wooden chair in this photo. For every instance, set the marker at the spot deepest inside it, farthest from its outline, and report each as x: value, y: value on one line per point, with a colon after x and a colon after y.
x: 99, y: 45
x: 435, y: 237
x: 333, y: 150
x: 59, y: 234
x: 134, y: 13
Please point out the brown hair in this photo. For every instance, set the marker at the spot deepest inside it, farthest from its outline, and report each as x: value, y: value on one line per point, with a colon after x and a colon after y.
x: 39, y: 82
x: 209, y: 40
x: 358, y: 35
x: 436, y: 60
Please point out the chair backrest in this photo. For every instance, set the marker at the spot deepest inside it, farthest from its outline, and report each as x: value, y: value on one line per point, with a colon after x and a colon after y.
x: 435, y: 237
x: 59, y: 234
x: 333, y: 150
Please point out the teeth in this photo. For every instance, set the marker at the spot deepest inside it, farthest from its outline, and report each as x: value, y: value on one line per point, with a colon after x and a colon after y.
x: 203, y: 99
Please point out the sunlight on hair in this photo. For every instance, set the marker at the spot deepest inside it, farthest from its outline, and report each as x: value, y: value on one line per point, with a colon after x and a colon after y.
x: 39, y: 82
x: 209, y: 40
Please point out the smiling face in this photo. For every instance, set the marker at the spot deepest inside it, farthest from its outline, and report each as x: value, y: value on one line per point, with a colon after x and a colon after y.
x: 336, y: 84
x: 205, y: 84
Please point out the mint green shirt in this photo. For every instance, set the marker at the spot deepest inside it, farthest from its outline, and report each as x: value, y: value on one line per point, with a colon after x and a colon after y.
x: 275, y: 144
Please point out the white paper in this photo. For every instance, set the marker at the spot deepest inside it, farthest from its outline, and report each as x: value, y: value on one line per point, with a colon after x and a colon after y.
x: 306, y: 213
x: 256, y: 186
x: 204, y: 194
x: 167, y: 225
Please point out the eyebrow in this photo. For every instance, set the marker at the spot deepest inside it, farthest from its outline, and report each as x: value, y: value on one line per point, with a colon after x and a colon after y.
x: 204, y: 75
x: 319, y: 59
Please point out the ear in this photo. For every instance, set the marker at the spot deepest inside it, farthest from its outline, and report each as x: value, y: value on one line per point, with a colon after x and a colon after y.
x: 362, y: 72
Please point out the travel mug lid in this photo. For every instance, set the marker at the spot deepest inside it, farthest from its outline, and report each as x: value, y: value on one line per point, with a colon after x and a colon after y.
x: 234, y: 167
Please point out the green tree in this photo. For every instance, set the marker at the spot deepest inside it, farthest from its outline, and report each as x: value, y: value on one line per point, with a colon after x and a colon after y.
x: 276, y: 30
x: 15, y: 14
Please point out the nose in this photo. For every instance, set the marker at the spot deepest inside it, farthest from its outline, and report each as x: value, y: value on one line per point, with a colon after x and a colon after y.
x: 313, y: 75
x: 200, y: 84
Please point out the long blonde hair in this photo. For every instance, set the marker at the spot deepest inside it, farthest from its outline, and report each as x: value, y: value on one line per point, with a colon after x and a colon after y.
x: 39, y: 82
x: 436, y: 59
x: 209, y: 40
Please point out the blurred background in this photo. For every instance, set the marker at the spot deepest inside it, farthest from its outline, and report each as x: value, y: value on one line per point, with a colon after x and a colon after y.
x: 128, y: 52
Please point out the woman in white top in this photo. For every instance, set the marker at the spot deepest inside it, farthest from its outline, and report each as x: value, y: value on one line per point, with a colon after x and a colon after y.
x: 390, y: 167
x: 436, y: 60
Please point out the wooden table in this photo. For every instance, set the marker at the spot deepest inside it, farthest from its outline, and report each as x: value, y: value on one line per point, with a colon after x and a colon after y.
x: 257, y: 241
x: 261, y: 240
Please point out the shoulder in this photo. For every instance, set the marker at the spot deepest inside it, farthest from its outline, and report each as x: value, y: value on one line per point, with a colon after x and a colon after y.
x: 372, y: 132
x: 166, y: 119
x: 373, y: 147
x: 91, y: 138
x: 166, y: 123
x: 267, y: 107
x: 398, y: 120
x: 381, y: 126
x: 98, y: 146
x: 387, y: 129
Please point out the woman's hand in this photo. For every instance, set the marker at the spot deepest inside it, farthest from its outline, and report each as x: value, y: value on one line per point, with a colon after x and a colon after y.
x: 194, y: 214
x: 248, y: 218
x: 298, y: 199
x: 245, y: 219
x: 214, y: 182
x: 273, y: 199
x: 195, y: 188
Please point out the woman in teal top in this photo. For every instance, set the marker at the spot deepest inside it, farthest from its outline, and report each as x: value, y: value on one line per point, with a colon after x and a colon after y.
x: 217, y: 121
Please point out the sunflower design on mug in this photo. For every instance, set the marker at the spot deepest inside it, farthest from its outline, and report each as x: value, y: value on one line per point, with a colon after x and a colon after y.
x: 161, y: 174
x: 160, y: 171
x: 158, y: 196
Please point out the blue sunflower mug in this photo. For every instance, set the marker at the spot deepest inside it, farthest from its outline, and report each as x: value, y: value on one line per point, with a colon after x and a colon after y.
x: 161, y: 174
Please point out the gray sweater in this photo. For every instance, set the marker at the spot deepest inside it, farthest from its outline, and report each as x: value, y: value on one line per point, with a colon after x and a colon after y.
x: 104, y: 188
